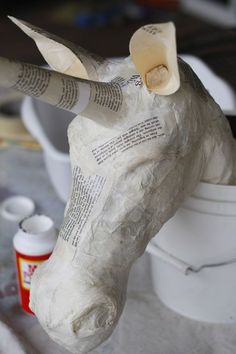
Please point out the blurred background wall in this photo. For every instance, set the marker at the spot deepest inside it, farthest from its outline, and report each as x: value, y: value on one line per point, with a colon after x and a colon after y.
x: 205, y: 28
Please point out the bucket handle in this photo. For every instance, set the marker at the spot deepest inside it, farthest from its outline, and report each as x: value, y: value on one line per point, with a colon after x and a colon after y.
x: 180, y: 265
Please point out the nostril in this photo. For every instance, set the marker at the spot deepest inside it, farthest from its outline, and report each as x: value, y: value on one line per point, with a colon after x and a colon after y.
x: 105, y: 317
x: 95, y: 319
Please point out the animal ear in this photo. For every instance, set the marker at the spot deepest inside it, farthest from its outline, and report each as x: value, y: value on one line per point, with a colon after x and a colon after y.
x: 153, y: 52
x: 61, y: 55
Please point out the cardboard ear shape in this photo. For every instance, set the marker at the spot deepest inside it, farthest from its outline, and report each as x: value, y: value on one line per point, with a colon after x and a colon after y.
x: 153, y: 52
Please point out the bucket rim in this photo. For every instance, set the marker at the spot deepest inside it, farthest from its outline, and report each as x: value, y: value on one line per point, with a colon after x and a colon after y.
x: 215, y: 192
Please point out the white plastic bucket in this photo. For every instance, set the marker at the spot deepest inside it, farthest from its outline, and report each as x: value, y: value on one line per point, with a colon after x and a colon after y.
x: 193, y: 257
x: 49, y: 125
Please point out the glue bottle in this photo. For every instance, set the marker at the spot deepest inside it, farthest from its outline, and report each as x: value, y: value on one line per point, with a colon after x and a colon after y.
x: 33, y: 244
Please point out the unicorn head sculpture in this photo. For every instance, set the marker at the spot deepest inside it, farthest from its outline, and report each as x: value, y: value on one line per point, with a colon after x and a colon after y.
x: 146, y: 132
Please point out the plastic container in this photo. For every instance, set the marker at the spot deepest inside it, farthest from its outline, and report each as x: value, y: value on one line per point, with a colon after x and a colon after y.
x: 48, y: 124
x: 193, y: 257
x: 33, y: 244
x: 17, y: 208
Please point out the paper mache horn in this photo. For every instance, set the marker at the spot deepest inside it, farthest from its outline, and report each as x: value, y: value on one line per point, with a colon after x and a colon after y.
x: 93, y: 99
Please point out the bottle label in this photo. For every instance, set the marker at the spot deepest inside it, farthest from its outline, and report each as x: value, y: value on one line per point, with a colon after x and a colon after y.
x: 27, y: 269
x: 26, y: 266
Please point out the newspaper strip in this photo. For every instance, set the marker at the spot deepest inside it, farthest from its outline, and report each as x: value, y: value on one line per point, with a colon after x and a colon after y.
x: 142, y: 132
x: 85, y: 194
x: 63, y: 91
x: 153, y: 52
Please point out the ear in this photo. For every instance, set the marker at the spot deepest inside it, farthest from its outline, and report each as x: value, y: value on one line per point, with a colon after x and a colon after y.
x: 61, y: 55
x: 153, y: 52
